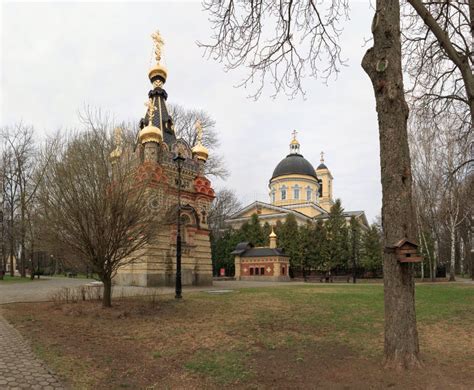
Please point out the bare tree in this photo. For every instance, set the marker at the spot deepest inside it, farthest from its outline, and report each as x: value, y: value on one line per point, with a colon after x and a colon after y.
x: 269, y: 37
x: 279, y: 41
x: 96, y: 206
x: 224, y: 205
x: 439, y: 57
x: 184, y: 126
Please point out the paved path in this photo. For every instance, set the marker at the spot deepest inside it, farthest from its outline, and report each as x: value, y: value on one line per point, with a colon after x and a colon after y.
x: 19, y: 368
x: 42, y: 290
x: 37, y: 290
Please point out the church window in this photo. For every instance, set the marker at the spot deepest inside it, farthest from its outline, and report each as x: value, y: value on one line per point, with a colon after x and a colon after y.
x: 251, y: 270
x: 296, y: 192
x: 283, y: 270
x: 283, y: 193
x: 273, y: 196
x: 262, y: 271
x: 309, y: 193
x: 256, y: 270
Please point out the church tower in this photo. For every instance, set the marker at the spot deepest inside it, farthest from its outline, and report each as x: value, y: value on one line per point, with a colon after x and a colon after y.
x: 157, y: 147
x: 325, y: 192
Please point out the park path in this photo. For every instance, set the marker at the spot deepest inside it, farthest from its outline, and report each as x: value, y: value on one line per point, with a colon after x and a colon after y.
x: 19, y: 368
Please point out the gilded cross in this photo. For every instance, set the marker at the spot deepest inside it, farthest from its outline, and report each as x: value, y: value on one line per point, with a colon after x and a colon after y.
x: 158, y: 42
x: 199, y: 130
x: 150, y: 104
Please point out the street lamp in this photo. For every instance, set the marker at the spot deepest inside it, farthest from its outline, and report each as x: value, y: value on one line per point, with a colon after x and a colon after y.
x: 179, y: 160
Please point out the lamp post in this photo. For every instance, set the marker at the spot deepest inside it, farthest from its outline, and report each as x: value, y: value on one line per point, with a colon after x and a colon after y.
x: 179, y: 160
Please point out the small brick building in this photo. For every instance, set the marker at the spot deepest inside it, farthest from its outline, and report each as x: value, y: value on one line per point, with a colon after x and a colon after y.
x: 261, y: 263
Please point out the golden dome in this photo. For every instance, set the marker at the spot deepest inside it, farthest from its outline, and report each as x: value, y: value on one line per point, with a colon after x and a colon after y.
x: 272, y: 234
x: 201, y: 151
x: 294, y: 141
x: 150, y: 133
x: 158, y: 70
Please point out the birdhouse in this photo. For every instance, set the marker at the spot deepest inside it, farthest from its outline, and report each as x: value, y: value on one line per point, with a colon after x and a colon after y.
x: 406, y: 251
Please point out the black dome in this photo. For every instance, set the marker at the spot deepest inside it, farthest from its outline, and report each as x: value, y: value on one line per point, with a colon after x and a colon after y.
x: 294, y: 164
x: 322, y: 166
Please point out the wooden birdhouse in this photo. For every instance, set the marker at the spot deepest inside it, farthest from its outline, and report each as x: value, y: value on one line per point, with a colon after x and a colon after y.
x: 406, y: 251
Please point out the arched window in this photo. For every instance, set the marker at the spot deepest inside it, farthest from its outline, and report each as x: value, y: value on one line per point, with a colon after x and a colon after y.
x: 283, y: 193
x: 309, y: 193
x: 296, y: 192
x: 273, y: 195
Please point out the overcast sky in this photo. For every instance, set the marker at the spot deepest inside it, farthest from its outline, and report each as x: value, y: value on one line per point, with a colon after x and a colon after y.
x: 58, y: 56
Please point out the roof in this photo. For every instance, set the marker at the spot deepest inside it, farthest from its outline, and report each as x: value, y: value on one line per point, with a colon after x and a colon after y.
x: 278, y: 209
x: 322, y: 166
x: 246, y: 249
x: 294, y: 164
x: 348, y: 214
x: 241, y: 248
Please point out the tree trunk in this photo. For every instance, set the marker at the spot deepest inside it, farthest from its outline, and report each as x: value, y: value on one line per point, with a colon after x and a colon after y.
x: 435, y: 260
x: 452, y: 263
x: 383, y: 65
x: 107, y: 297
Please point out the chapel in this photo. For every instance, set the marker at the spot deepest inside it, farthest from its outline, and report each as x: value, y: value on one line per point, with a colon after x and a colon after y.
x: 155, y: 154
x: 296, y: 188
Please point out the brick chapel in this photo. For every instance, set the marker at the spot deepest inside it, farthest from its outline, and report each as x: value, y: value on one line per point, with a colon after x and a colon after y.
x: 155, y: 149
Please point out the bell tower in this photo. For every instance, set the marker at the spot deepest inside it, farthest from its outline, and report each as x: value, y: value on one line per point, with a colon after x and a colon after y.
x: 325, y: 190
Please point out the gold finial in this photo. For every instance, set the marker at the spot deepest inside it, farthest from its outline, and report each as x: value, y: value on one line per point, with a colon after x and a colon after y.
x: 322, y: 157
x: 158, y: 42
x: 151, y: 110
x: 199, y: 149
x: 272, y: 234
x: 118, y: 141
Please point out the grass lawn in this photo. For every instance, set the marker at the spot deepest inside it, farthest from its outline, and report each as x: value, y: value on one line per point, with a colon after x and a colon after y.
x: 298, y: 337
x: 15, y: 279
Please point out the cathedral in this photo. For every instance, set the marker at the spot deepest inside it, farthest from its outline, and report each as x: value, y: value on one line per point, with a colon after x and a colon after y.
x: 155, y: 156
x: 296, y: 188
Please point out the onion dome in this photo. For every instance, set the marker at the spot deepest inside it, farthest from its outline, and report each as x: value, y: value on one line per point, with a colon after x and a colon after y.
x: 322, y: 165
x: 150, y: 133
x: 199, y: 150
x: 272, y: 234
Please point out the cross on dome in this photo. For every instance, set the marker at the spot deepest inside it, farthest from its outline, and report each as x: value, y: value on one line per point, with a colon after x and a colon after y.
x: 322, y: 157
x: 294, y: 144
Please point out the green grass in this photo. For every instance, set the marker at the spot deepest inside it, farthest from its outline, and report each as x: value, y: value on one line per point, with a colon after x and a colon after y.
x: 7, y: 279
x: 224, y: 366
x: 229, y: 339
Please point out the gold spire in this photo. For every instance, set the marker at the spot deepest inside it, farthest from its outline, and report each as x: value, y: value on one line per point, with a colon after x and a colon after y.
x: 199, y: 149
x: 158, y: 69
x: 294, y: 141
x: 150, y: 133
x: 118, y: 141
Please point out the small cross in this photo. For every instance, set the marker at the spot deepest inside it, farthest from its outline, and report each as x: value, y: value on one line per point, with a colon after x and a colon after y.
x: 294, y: 134
x: 322, y: 157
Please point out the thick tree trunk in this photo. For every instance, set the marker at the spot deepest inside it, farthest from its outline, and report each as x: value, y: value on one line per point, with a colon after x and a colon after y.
x: 107, y: 297
x: 383, y: 65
